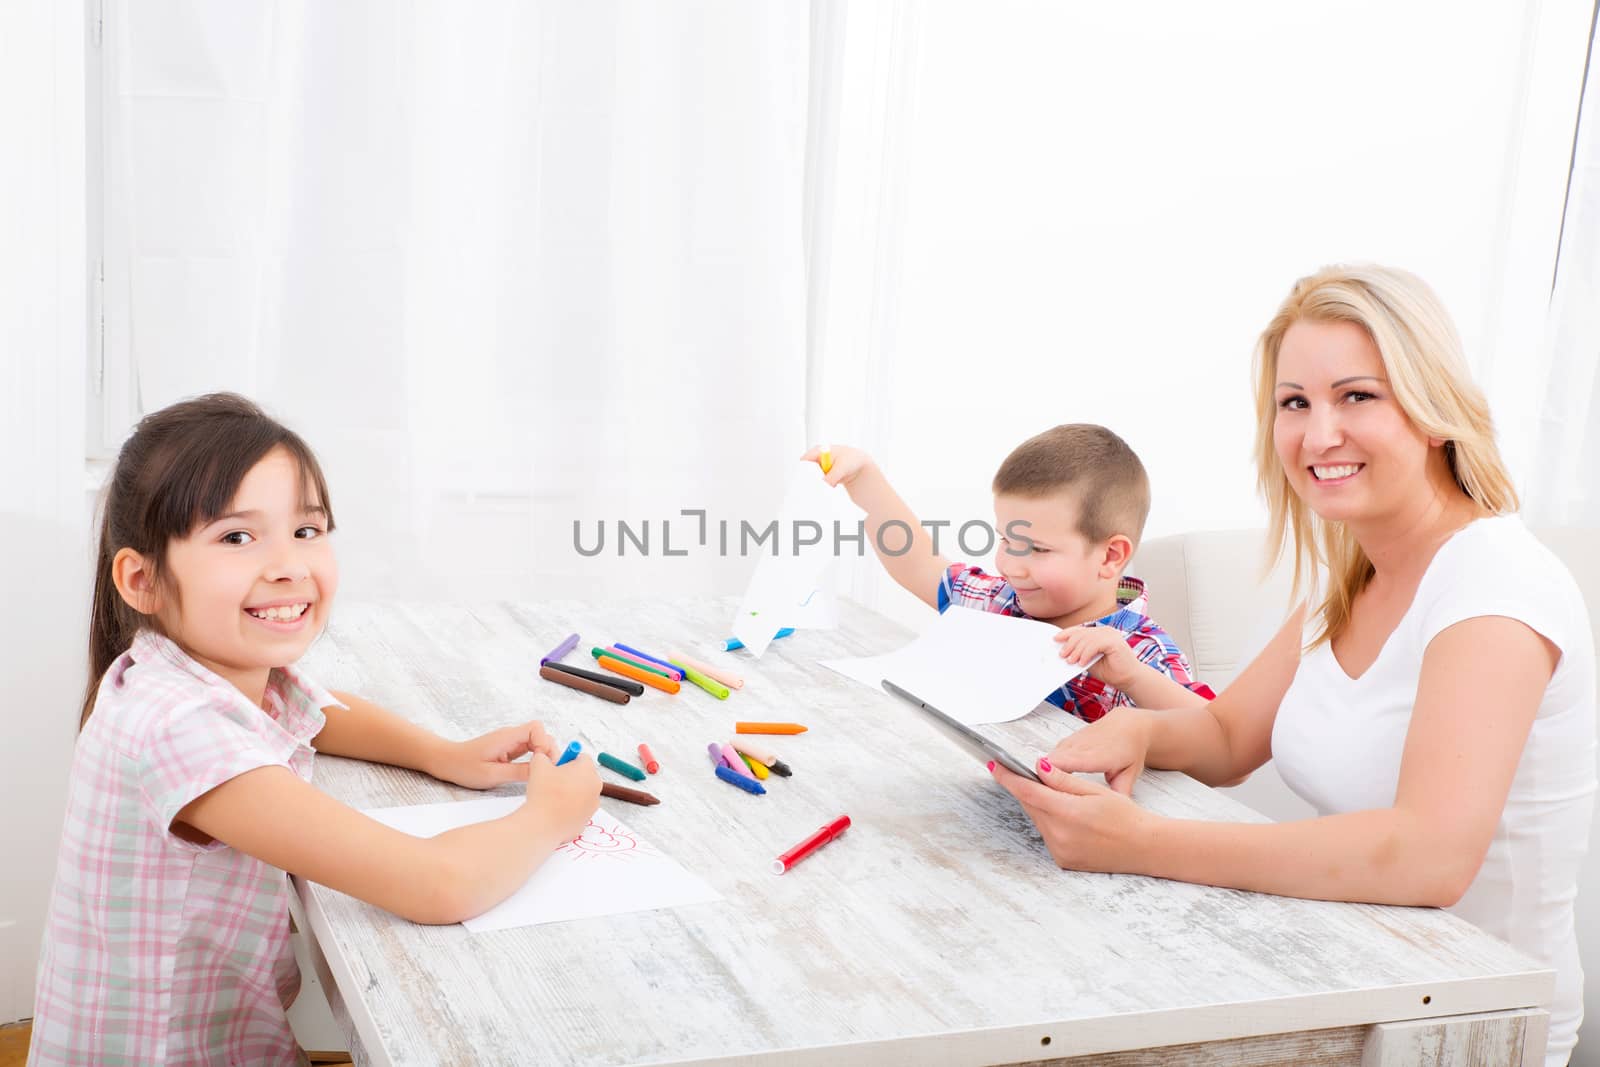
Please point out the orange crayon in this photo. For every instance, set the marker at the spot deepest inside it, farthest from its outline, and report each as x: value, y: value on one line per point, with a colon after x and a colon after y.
x: 767, y: 727
x: 628, y: 670
x: 650, y: 762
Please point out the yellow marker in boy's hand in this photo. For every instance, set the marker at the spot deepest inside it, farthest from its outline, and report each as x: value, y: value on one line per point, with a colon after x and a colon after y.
x: 825, y: 461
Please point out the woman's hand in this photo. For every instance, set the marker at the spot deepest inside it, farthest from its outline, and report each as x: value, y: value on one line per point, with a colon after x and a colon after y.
x: 487, y: 761
x: 1117, y: 665
x: 1086, y: 826
x: 1115, y: 745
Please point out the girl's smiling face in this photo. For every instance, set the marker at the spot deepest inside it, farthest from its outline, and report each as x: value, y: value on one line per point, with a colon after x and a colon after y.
x: 249, y: 590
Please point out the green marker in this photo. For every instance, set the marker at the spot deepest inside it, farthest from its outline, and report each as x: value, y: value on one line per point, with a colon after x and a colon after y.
x: 622, y: 767
x: 710, y: 685
x: 630, y: 661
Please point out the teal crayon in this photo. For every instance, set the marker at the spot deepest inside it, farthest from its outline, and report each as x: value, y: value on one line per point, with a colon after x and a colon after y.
x: 622, y: 767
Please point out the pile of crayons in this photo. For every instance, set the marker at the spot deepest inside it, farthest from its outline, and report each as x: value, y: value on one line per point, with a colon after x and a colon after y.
x: 632, y: 670
x: 746, y: 765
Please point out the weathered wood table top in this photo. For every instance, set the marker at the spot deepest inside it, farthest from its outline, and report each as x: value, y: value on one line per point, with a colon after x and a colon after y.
x: 937, y: 930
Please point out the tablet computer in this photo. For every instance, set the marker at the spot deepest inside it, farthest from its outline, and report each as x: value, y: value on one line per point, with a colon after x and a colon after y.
x: 985, y: 748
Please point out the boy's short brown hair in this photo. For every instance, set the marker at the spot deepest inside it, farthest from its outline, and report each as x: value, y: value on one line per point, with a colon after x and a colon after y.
x: 1097, y: 466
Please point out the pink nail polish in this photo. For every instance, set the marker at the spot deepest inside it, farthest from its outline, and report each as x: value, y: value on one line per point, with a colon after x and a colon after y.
x: 991, y: 765
x: 1044, y: 765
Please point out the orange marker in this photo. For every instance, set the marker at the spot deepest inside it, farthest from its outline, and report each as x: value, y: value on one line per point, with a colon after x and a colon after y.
x: 757, y: 768
x: 627, y: 670
x: 764, y: 727
x: 650, y: 763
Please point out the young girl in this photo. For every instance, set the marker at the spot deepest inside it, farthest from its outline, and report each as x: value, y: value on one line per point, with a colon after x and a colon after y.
x: 168, y: 933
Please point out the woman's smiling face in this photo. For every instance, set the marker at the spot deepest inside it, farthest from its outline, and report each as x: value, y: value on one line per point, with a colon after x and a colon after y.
x: 1348, y: 449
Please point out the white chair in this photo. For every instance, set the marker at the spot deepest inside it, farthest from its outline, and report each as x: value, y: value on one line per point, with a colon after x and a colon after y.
x: 1208, y: 592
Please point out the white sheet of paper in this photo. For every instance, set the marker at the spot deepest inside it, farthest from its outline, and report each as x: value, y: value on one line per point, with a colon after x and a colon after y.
x: 607, y: 870
x: 972, y: 665
x: 791, y: 588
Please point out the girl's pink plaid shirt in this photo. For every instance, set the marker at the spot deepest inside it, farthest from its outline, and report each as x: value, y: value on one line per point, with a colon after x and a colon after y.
x: 157, y: 949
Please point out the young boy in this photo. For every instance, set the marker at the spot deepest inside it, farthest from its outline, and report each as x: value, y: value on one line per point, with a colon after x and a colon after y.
x: 1069, y: 507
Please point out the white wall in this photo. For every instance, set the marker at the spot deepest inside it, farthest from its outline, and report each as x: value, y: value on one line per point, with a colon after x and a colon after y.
x: 42, y: 522
x: 1103, y: 206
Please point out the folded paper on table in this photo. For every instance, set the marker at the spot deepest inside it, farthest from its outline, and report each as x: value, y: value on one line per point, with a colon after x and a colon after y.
x: 972, y: 665
x: 606, y: 870
x: 791, y: 585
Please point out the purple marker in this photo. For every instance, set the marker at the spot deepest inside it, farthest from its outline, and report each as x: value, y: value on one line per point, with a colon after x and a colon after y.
x: 560, y: 650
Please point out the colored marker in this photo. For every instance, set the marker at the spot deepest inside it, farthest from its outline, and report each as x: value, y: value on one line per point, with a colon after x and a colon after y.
x: 571, y: 753
x: 780, y: 768
x: 733, y: 642
x: 636, y: 654
x: 650, y: 763
x: 727, y: 678
x: 560, y: 650
x: 811, y: 844
x: 757, y: 768
x: 768, y: 728
x: 753, y: 750
x: 631, y: 688
x: 825, y: 461
x: 623, y: 657
x: 638, y: 674
x: 616, y: 652
x: 743, y: 781
x: 717, y: 758
x: 605, y: 692
x: 715, y: 688
x: 622, y: 767
x: 632, y: 796
x: 731, y: 760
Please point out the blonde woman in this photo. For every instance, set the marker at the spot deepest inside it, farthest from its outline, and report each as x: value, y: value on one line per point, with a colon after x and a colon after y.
x: 1434, y: 698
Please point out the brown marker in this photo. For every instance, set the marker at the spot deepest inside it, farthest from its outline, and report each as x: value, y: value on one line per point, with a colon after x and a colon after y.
x: 632, y: 796
x: 572, y: 681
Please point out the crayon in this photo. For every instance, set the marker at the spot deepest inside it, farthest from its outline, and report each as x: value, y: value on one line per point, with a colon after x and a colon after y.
x: 636, y: 654
x: 731, y: 760
x: 650, y: 763
x: 710, y: 685
x: 768, y: 728
x: 638, y: 674
x: 727, y: 678
x: 748, y: 784
x: 758, y: 768
x: 560, y: 650
x: 631, y: 688
x: 571, y: 753
x: 622, y: 767
x: 632, y: 796
x: 551, y: 673
x: 600, y: 653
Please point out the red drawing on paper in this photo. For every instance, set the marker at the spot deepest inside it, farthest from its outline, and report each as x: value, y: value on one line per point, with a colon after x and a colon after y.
x: 597, y: 841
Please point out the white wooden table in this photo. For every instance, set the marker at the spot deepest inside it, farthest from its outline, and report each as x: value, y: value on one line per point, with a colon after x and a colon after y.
x: 935, y: 931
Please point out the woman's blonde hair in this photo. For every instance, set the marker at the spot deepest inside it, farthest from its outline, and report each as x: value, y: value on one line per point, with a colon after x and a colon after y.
x: 1428, y: 374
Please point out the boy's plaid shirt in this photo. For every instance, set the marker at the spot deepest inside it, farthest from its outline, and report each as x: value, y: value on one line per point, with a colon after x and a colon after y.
x: 1088, y: 698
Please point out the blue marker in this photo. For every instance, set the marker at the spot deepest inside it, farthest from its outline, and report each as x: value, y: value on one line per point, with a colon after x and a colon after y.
x: 571, y: 753
x: 749, y: 785
x: 645, y: 655
x: 733, y: 642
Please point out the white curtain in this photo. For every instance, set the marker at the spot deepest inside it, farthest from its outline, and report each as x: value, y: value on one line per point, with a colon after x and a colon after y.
x: 1565, y: 486
x: 506, y: 266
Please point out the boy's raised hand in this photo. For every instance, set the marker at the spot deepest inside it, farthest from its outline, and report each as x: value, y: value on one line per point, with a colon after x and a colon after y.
x: 845, y: 463
x: 488, y: 760
x: 1117, y: 665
